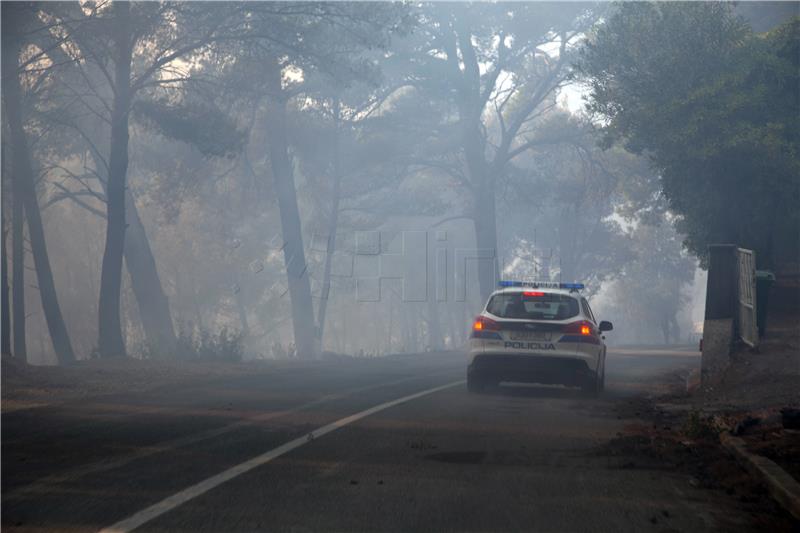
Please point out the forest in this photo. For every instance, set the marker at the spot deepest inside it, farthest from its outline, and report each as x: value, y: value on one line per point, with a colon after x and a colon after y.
x: 254, y: 180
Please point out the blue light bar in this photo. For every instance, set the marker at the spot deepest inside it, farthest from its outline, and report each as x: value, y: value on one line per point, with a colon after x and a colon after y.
x: 542, y: 285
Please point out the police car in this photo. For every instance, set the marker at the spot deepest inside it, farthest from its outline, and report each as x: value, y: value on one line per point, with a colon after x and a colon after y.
x: 537, y: 332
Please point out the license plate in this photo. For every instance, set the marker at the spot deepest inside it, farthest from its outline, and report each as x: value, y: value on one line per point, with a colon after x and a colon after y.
x: 529, y: 336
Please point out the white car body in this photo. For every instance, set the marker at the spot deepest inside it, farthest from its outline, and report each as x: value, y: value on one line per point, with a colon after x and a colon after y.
x: 537, y: 335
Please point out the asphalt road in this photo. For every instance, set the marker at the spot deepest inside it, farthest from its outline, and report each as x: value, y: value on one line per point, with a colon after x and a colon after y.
x: 515, y: 459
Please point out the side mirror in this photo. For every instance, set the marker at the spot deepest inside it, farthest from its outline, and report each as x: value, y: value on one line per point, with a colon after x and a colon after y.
x: 605, y: 325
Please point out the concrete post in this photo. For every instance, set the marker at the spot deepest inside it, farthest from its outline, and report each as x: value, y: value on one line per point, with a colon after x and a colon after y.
x: 722, y: 282
x: 721, y: 308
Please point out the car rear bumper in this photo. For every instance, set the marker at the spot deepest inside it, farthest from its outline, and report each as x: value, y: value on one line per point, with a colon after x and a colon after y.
x: 530, y: 369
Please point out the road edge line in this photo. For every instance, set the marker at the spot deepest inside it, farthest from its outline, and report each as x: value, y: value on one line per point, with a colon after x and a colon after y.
x: 169, y: 503
x: 784, y: 488
x: 106, y: 464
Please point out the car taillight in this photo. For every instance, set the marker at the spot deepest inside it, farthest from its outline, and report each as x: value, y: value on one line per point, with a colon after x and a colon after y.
x: 533, y: 294
x: 581, y: 327
x: 485, y: 324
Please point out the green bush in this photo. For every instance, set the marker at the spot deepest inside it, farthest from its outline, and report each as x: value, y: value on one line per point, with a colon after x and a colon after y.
x: 279, y: 351
x: 698, y: 427
x: 200, y: 343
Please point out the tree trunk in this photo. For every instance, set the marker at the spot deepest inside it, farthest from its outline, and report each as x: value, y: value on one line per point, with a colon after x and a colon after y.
x: 110, y: 342
x: 305, y: 336
x: 484, y: 212
x: 242, y: 310
x: 455, y: 327
x: 152, y: 302
x: 332, y: 228
x: 18, y: 273
x: 390, y: 330
x: 676, y: 329
x: 434, y: 324
x: 473, y: 144
x: 483, y: 196
x: 6, y: 305
x: 24, y: 186
x: 486, y: 241
x: 411, y: 327
x: 566, y: 247
x: 665, y: 328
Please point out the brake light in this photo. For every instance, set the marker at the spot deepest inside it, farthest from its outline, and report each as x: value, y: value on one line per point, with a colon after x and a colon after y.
x: 485, y: 324
x: 532, y: 293
x: 582, y: 327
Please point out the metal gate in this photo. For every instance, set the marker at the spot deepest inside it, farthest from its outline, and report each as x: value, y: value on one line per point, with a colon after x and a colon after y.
x: 748, y: 329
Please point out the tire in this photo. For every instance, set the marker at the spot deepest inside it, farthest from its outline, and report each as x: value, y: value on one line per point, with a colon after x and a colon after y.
x: 601, y: 386
x: 475, y: 384
x: 591, y: 388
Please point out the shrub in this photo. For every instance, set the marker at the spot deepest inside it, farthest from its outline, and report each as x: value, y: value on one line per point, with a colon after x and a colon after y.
x: 279, y: 351
x: 200, y: 343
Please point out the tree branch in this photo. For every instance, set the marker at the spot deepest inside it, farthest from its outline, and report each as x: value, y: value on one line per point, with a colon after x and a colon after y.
x: 75, y: 197
x: 491, y: 78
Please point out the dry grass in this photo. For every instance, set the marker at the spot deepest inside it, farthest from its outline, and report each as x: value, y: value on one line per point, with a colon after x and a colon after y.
x: 25, y: 386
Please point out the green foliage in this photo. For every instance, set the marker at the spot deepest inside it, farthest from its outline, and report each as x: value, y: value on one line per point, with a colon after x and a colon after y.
x: 715, y: 108
x: 698, y: 427
x: 577, y: 212
x: 199, y: 344
x: 649, y: 289
x: 200, y: 125
x: 281, y: 351
x: 559, y: 199
x: 202, y: 344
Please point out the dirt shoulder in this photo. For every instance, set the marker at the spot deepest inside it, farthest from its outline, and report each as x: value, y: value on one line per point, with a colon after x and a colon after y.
x: 677, y: 438
x: 757, y: 386
x: 678, y: 430
x: 25, y: 386
x: 778, y: 444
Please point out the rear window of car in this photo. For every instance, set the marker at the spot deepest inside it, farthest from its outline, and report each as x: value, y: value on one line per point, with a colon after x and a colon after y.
x: 550, y: 306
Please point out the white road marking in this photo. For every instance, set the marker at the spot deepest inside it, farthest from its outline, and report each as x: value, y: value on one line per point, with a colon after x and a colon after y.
x: 654, y: 352
x: 179, y: 498
x: 44, y: 485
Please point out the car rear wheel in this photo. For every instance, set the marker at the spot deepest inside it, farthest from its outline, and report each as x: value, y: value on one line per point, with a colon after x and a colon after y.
x: 593, y: 386
x: 602, y: 385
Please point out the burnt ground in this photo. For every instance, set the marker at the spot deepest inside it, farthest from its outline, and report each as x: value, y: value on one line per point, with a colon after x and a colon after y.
x: 748, y: 400
x: 776, y: 443
x: 687, y: 442
x: 28, y: 386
